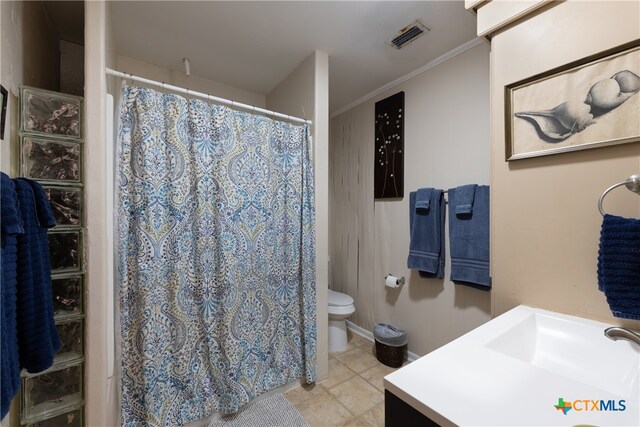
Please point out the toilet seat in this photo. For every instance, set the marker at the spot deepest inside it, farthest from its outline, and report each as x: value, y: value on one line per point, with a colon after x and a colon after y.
x: 338, y: 298
x: 340, y: 304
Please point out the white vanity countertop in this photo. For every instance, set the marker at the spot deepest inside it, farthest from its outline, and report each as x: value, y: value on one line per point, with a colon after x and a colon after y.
x: 512, y: 370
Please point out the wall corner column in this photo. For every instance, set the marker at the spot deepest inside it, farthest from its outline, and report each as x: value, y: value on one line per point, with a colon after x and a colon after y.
x: 321, y: 163
x: 96, y: 230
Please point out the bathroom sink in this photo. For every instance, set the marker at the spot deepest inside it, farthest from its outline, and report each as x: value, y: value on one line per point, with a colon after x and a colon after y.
x: 517, y: 368
x: 573, y: 349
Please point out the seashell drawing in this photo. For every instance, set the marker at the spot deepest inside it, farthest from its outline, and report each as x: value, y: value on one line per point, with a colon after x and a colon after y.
x: 559, y: 123
x: 606, y: 95
x: 628, y: 81
x: 569, y: 118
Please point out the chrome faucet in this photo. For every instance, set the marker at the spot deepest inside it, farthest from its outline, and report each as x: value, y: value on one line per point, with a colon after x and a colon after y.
x: 616, y: 333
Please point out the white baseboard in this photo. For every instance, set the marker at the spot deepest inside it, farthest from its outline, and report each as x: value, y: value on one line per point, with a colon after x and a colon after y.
x: 369, y: 336
x: 359, y: 331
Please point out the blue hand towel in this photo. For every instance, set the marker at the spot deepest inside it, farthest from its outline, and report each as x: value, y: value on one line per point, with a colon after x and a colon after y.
x: 469, y: 236
x: 427, y: 249
x: 11, y: 226
x: 619, y: 265
x: 464, y: 199
x: 38, y: 340
x: 423, y: 199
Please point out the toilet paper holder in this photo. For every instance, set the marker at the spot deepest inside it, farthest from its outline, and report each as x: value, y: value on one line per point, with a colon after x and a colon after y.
x: 398, y: 280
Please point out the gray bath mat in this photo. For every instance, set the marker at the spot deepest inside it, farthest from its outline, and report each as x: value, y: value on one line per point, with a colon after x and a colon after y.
x: 272, y: 411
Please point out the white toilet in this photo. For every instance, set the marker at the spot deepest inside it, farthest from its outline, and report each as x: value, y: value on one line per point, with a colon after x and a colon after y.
x: 340, y: 307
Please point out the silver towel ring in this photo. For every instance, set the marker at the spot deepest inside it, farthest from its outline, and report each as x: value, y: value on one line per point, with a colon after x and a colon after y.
x: 632, y: 183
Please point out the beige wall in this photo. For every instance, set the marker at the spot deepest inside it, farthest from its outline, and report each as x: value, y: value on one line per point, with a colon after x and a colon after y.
x: 305, y: 93
x: 71, y: 68
x: 10, y: 77
x: 29, y: 57
x: 446, y: 145
x: 545, y: 220
x: 178, y: 78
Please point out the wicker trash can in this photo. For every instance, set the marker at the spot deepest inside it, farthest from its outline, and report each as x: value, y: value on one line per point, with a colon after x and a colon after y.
x: 391, y: 344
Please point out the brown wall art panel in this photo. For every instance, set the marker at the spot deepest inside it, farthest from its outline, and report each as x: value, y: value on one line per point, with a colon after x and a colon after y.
x: 389, y: 155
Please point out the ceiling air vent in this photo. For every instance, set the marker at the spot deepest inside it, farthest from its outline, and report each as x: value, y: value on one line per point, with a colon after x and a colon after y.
x: 408, y: 34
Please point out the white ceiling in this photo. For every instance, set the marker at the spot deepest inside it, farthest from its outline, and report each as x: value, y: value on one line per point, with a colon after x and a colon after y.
x: 255, y: 45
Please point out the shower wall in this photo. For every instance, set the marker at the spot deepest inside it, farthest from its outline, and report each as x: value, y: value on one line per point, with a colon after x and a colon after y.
x: 177, y: 78
x: 100, y: 53
x: 303, y: 93
x: 193, y: 82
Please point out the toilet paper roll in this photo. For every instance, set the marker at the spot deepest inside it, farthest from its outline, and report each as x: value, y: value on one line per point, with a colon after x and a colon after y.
x: 391, y: 281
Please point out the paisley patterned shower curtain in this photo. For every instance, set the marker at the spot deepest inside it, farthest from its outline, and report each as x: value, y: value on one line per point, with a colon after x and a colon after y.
x: 216, y: 257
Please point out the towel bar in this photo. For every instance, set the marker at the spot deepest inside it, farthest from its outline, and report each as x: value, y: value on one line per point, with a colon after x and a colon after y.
x: 632, y: 183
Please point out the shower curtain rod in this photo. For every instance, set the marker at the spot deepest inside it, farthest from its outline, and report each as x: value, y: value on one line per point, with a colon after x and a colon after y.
x: 229, y: 102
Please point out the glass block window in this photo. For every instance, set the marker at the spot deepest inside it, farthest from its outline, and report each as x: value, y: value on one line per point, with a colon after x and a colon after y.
x: 52, y: 391
x: 73, y: 418
x: 66, y: 203
x: 67, y: 296
x: 45, y: 112
x: 70, y: 333
x: 51, y: 160
x: 51, y: 153
x: 65, y: 251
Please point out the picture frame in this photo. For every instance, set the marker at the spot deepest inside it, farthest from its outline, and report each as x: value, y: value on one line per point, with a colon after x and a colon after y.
x: 589, y: 103
x: 3, y: 102
x: 388, y: 166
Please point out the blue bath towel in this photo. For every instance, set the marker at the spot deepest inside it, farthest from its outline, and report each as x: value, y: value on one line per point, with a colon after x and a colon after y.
x: 469, y: 235
x: 38, y: 340
x: 619, y: 265
x: 427, y: 248
x: 11, y: 226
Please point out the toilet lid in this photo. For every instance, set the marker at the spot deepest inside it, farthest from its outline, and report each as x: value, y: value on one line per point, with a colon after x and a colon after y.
x: 339, y: 299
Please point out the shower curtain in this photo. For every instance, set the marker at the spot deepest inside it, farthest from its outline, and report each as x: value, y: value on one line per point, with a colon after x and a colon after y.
x: 216, y: 235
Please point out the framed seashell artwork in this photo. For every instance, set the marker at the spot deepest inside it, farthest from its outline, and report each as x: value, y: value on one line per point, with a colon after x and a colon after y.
x: 592, y: 102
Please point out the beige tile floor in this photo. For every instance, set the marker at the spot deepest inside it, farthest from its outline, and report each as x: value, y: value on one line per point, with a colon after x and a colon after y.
x: 353, y: 395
